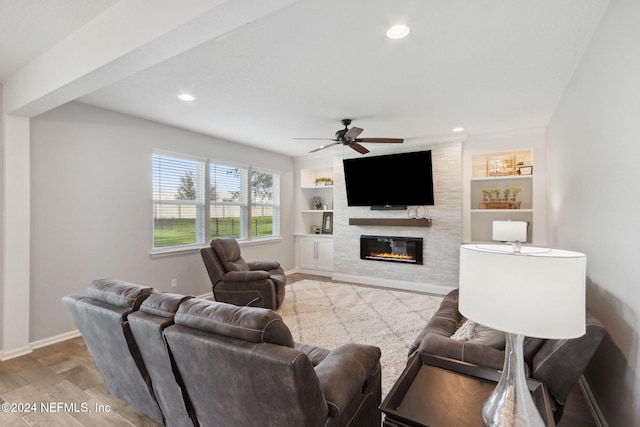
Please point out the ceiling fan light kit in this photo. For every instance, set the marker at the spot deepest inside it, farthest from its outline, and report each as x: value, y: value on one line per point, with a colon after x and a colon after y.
x: 349, y: 138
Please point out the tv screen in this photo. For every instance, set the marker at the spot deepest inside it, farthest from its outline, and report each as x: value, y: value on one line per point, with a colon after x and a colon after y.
x: 389, y: 181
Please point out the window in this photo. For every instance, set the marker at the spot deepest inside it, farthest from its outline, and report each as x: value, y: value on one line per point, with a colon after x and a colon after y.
x: 265, y: 204
x: 240, y: 202
x: 228, y: 201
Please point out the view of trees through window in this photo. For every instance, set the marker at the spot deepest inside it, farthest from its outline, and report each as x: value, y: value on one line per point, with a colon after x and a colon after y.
x: 179, y: 217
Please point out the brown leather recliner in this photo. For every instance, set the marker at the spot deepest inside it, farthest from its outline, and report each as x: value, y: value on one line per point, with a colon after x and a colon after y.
x: 558, y: 363
x: 147, y: 326
x: 101, y: 316
x: 241, y: 367
x: 236, y: 281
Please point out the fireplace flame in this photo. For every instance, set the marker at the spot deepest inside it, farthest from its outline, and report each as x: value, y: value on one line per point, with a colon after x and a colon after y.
x: 392, y: 255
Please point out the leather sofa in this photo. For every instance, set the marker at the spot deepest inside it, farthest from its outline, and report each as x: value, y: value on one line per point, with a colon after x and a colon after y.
x: 558, y: 363
x: 189, y: 361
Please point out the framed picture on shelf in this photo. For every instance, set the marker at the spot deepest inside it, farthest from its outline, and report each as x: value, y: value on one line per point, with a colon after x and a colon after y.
x: 327, y: 223
x: 501, y: 166
x: 525, y: 170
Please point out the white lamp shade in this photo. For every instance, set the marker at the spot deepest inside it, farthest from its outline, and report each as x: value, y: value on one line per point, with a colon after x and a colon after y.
x: 509, y: 231
x: 538, y: 293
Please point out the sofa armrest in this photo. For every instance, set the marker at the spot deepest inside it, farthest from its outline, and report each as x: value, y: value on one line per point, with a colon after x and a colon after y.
x: 560, y: 363
x: 477, y: 354
x: 343, y: 374
x: 263, y: 265
x: 315, y: 354
x: 245, y: 276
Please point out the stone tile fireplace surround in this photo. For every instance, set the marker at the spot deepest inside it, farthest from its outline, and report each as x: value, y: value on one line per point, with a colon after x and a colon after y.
x: 441, y: 241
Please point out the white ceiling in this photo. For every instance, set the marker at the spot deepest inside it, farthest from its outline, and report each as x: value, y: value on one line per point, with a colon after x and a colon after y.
x: 29, y: 27
x: 487, y: 65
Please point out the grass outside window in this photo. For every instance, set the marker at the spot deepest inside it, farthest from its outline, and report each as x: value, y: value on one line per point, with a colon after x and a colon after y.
x: 178, y: 232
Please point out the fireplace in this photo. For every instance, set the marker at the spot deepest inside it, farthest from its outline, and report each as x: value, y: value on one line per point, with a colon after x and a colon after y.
x: 395, y: 249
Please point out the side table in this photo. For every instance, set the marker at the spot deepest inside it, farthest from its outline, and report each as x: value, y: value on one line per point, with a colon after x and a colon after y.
x: 435, y: 391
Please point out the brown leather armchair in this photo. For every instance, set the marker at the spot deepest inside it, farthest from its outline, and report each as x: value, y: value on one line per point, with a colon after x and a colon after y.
x: 236, y: 281
x: 558, y: 363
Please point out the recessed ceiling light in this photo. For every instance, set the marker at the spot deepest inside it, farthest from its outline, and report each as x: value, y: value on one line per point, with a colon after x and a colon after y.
x: 398, y: 31
x: 186, y: 97
x: 458, y: 129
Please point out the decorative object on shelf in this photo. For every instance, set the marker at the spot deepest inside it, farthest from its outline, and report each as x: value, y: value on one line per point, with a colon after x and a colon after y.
x: 539, y: 292
x: 323, y: 181
x: 514, y: 194
x: 501, y: 166
x: 315, y: 229
x: 492, y: 199
x: 525, y: 170
x: 316, y: 203
x: 419, y: 212
x: 327, y: 223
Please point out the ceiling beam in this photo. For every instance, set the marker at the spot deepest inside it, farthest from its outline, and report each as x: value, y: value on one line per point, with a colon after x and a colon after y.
x: 128, y: 37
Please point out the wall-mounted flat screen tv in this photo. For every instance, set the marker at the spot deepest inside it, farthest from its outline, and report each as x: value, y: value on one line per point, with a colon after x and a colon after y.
x: 392, y: 181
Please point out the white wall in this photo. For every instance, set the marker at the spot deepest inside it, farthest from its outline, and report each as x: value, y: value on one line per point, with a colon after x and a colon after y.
x: 91, y: 213
x: 593, y: 156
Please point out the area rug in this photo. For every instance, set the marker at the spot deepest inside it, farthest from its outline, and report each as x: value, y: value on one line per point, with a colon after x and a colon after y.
x: 329, y: 314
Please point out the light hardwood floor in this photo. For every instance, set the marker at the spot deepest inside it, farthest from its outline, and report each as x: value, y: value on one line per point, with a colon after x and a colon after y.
x: 64, y: 373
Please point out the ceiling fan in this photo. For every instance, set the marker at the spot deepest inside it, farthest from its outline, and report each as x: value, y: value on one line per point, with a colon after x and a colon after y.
x: 349, y: 137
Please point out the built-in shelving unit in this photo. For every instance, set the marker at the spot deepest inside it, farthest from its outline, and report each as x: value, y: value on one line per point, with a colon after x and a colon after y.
x: 313, y: 215
x: 314, y: 252
x: 494, y: 177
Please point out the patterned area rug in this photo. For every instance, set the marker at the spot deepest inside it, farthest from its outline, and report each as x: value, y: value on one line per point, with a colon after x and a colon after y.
x: 329, y: 314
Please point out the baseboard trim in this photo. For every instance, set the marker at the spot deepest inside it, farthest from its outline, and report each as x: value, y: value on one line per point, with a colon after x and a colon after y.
x: 17, y: 352
x: 394, y: 284
x: 208, y: 295
x: 591, y: 402
x: 323, y: 273
x: 55, y: 339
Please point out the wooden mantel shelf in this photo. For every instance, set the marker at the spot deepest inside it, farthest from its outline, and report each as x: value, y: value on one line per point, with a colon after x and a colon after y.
x: 400, y: 222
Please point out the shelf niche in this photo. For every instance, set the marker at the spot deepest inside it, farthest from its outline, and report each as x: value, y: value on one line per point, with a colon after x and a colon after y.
x: 400, y: 222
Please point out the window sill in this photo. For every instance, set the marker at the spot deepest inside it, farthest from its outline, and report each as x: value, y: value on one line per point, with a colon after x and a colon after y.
x: 194, y: 249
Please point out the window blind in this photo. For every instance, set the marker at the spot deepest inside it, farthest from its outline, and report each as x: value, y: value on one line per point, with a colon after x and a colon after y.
x: 178, y: 202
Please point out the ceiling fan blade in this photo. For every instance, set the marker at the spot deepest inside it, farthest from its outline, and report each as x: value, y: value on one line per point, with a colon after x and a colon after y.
x: 359, y: 148
x: 318, y: 139
x: 385, y: 140
x: 323, y: 147
x: 353, y: 133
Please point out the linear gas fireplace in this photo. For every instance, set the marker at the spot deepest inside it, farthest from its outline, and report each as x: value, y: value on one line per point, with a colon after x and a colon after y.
x: 396, y: 249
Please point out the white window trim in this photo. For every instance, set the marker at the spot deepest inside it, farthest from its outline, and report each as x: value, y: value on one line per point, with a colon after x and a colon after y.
x: 182, y: 250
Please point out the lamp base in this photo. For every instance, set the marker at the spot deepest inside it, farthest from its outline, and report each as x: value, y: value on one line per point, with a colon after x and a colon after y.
x: 511, y: 404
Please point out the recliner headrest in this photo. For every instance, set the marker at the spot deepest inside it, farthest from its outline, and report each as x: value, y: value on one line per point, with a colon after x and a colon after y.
x: 228, y: 251
x: 251, y: 324
x: 118, y: 292
x: 163, y: 304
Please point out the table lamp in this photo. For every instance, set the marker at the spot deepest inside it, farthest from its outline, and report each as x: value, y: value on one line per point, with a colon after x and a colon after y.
x: 511, y: 232
x: 537, y: 292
